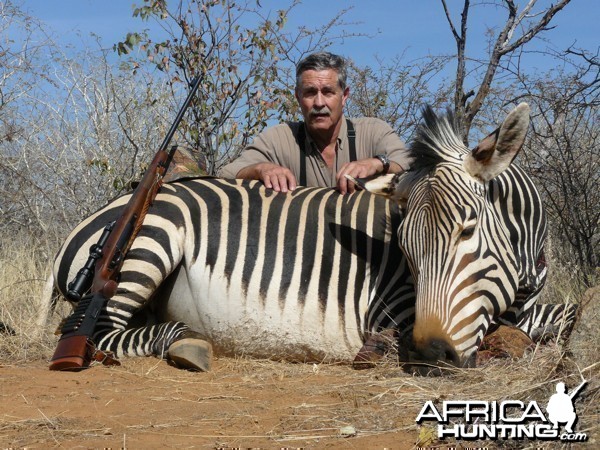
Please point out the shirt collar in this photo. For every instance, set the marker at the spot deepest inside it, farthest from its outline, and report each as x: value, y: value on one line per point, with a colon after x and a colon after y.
x: 340, y: 141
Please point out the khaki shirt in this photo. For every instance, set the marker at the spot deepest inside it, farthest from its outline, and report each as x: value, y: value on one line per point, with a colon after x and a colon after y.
x: 279, y: 145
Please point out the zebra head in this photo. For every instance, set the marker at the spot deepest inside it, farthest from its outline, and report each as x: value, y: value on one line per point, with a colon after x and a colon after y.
x: 454, y: 237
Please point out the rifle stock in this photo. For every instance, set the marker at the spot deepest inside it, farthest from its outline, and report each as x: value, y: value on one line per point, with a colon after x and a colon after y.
x: 72, y: 353
x: 75, y: 349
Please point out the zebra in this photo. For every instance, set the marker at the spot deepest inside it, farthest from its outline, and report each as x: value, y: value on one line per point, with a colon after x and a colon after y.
x: 473, y: 234
x: 312, y: 274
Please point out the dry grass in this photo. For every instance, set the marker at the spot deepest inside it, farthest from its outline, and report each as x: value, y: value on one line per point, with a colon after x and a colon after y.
x: 385, y: 399
x: 372, y: 402
x: 22, y: 278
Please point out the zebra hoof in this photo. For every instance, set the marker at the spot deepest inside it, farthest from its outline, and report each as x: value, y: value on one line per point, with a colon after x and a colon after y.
x: 191, y: 354
x: 504, y: 342
x: 375, y: 348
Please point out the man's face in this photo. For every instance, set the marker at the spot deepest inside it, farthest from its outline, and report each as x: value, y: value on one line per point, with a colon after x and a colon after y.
x: 321, y: 99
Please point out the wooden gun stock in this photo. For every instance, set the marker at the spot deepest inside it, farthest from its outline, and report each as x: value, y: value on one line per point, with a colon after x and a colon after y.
x: 72, y: 353
x: 75, y: 349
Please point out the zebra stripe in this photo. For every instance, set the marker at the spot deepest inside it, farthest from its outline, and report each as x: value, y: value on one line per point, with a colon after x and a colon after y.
x: 547, y: 322
x: 323, y: 267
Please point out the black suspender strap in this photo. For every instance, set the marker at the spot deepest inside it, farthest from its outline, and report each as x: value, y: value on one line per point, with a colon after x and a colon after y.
x: 301, y: 139
x: 301, y: 142
x: 351, y: 140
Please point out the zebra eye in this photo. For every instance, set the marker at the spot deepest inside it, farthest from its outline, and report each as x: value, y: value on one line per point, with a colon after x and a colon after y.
x: 467, y: 232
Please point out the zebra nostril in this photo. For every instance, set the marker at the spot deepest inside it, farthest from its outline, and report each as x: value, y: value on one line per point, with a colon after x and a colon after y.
x: 444, y: 352
x: 452, y: 357
x: 431, y: 358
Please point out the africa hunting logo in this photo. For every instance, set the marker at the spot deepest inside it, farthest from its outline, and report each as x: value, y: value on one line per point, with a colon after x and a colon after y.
x: 509, y: 419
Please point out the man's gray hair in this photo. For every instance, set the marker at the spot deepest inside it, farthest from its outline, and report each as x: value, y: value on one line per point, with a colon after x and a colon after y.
x: 323, y: 61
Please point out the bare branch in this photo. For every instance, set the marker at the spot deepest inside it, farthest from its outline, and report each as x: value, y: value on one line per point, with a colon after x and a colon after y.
x: 534, y: 29
x: 503, y: 44
x: 456, y: 35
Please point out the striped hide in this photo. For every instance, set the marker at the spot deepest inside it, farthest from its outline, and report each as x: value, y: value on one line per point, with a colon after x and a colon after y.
x: 301, y: 276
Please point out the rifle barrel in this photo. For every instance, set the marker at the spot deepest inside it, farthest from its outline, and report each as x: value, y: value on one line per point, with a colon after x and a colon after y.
x: 195, y: 84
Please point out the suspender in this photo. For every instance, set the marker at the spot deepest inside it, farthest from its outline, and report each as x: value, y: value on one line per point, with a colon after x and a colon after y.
x: 301, y: 141
x: 351, y: 140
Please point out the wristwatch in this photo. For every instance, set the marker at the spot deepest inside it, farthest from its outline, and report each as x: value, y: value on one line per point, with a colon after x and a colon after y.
x: 385, y: 161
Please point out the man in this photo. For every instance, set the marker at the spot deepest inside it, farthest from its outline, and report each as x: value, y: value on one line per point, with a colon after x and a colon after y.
x: 325, y: 147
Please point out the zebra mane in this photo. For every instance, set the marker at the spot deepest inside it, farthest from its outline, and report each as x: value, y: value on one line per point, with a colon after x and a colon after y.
x: 437, y: 139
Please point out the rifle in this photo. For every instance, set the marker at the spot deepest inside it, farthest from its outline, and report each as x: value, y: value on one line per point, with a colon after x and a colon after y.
x: 100, y: 274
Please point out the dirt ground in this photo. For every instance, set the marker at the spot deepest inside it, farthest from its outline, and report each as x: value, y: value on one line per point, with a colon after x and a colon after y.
x: 146, y: 403
x: 248, y: 403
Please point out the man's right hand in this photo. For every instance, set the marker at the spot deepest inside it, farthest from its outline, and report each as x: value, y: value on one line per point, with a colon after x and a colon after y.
x: 280, y: 179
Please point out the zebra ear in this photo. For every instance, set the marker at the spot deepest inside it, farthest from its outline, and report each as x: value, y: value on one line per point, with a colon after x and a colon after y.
x: 385, y: 185
x: 495, y: 152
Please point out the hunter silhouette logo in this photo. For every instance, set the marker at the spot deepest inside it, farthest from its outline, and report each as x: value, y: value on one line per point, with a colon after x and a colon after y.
x: 507, y: 419
x: 560, y: 407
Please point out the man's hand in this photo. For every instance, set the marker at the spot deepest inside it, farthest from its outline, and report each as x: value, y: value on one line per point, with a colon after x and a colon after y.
x: 280, y: 179
x: 358, y: 169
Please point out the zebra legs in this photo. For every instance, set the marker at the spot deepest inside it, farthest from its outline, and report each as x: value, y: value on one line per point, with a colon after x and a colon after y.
x: 191, y: 352
x: 173, y: 341
x: 129, y: 325
x: 544, y: 323
x: 548, y: 322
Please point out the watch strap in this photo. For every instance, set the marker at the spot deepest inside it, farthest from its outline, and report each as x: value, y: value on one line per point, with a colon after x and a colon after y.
x: 385, y: 161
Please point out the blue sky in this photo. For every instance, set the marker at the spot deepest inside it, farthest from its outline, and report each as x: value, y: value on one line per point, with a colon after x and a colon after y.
x: 416, y: 28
